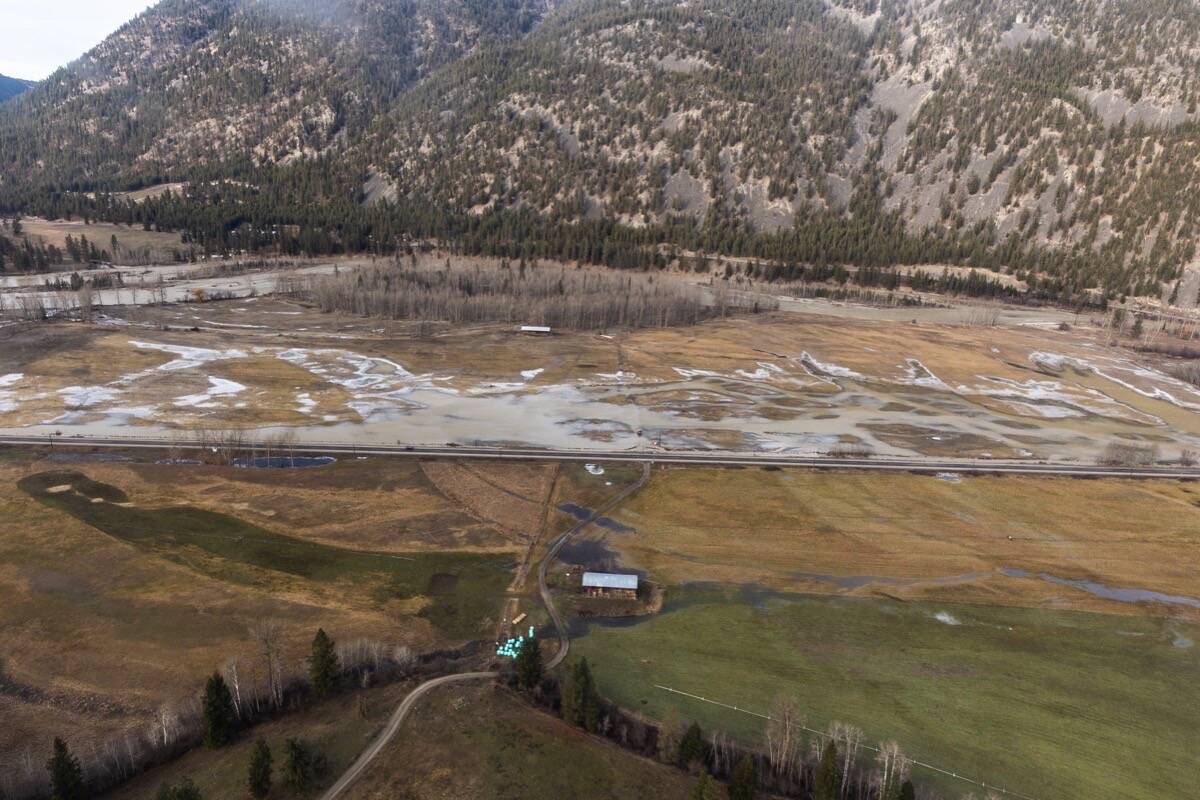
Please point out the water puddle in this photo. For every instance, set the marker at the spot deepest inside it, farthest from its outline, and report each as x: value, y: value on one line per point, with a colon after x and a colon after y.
x: 591, y: 554
x: 1121, y: 595
x: 852, y: 582
x: 285, y: 462
x: 582, y: 514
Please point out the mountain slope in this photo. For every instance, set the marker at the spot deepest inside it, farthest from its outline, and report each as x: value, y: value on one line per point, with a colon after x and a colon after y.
x: 1042, y: 124
x: 11, y: 87
x: 223, y: 86
x: 1056, y: 136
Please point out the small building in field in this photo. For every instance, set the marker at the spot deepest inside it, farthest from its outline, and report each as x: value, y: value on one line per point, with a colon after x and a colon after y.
x: 536, y: 330
x: 605, y: 584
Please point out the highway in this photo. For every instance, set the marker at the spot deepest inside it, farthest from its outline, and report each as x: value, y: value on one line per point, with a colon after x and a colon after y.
x: 651, y: 456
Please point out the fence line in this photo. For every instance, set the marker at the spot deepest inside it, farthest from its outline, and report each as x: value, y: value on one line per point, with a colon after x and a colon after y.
x: 947, y: 773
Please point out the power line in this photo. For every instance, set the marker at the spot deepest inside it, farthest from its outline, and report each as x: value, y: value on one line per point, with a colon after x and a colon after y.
x: 914, y: 761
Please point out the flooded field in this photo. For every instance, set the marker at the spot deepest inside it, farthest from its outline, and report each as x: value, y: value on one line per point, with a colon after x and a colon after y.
x: 805, y: 384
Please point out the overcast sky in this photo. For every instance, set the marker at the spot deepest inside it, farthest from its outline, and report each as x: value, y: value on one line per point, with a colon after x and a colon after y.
x: 38, y: 36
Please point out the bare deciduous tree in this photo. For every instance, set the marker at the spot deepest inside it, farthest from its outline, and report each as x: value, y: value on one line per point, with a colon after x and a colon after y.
x: 556, y: 297
x: 268, y: 633
x: 893, y: 768
x: 784, y: 734
x: 233, y: 677
x: 848, y: 739
x: 84, y: 299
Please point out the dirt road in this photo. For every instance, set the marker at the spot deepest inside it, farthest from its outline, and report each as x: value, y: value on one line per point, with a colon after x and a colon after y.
x: 393, y: 727
x: 564, y: 640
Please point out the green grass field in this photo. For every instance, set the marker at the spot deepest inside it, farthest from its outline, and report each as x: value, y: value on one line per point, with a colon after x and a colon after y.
x: 463, y: 587
x: 1054, y: 704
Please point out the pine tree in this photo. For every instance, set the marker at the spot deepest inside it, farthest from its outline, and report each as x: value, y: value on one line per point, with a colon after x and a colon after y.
x: 259, y: 774
x: 301, y: 764
x: 323, y: 666
x: 743, y: 785
x: 706, y: 788
x: 220, y: 719
x: 529, y: 664
x: 691, y: 746
x: 580, y: 702
x: 66, y: 776
x: 828, y: 782
x: 907, y: 792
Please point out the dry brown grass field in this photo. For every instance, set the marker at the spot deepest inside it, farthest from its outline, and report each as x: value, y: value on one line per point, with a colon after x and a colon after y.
x: 918, y: 537
x: 159, y: 246
x: 103, y: 626
x: 479, y: 742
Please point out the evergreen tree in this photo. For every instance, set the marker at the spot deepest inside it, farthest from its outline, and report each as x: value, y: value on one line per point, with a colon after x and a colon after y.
x: 258, y: 779
x: 529, y: 664
x: 706, y: 788
x: 66, y: 776
x: 691, y: 746
x: 323, y: 666
x: 743, y: 785
x: 907, y: 792
x: 220, y: 719
x: 302, y: 765
x: 580, y: 702
x: 828, y: 782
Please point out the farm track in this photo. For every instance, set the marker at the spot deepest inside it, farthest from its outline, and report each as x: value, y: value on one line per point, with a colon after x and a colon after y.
x: 393, y: 727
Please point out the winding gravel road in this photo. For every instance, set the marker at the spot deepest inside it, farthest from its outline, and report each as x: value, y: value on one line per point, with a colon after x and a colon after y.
x: 393, y: 727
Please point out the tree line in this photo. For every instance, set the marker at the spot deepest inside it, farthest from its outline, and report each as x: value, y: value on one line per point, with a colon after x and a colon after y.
x: 526, y: 293
x: 796, y: 762
x: 234, y: 699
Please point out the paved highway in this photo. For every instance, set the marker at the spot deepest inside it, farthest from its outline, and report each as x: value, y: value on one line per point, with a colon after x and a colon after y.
x: 717, y: 458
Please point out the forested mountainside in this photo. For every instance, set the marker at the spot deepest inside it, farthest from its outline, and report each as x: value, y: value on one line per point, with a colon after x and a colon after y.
x: 11, y: 87
x: 1052, y: 137
x: 222, y: 87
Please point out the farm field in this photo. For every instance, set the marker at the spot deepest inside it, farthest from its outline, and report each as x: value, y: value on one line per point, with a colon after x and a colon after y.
x: 478, y: 742
x: 1048, y: 703
x: 1057, y: 617
x: 136, y: 246
x: 123, y: 584
x: 971, y: 539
